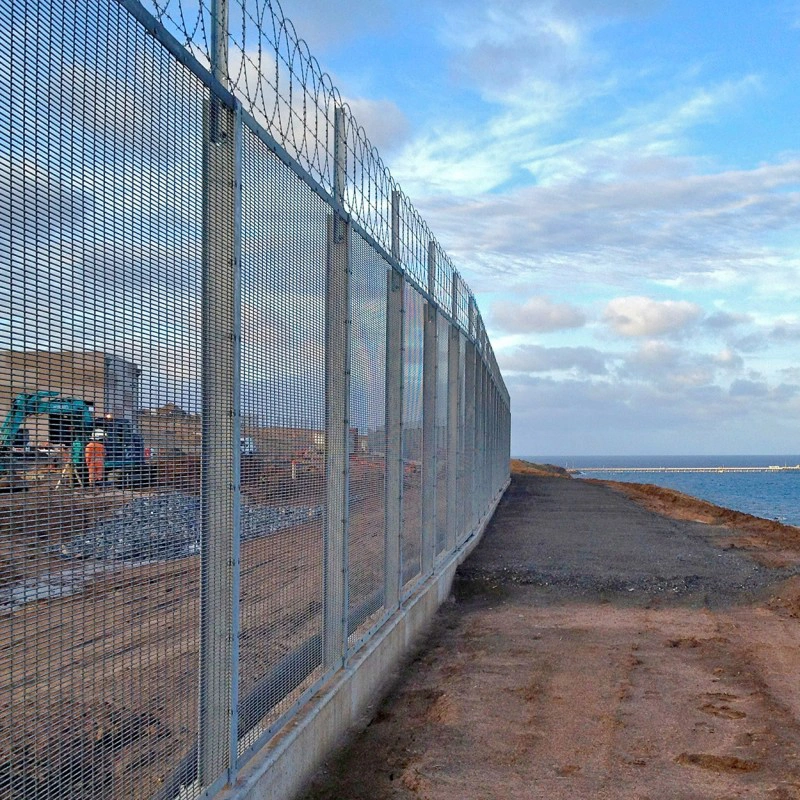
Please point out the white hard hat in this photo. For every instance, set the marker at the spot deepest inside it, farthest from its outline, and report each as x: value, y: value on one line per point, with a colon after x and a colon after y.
x: 98, y: 434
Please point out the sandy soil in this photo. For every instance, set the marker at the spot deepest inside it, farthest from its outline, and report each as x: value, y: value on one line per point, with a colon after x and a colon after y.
x: 596, y: 648
x: 99, y: 689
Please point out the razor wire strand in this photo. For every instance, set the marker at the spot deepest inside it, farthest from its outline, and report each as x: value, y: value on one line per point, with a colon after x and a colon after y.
x: 285, y: 89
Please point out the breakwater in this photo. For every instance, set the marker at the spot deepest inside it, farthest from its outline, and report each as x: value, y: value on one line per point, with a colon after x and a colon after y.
x: 774, y: 468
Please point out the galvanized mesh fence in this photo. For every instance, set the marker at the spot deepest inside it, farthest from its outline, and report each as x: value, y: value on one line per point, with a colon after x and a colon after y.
x: 248, y: 406
x: 366, y: 434
x: 412, y: 432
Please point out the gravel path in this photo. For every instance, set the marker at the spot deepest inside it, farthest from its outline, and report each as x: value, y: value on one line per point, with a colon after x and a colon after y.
x: 592, y: 649
x: 582, y: 540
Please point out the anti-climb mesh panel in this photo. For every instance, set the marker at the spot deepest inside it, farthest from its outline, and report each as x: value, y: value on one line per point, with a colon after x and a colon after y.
x: 411, y: 530
x: 442, y: 465
x: 367, y: 435
x: 100, y: 265
x: 282, y: 437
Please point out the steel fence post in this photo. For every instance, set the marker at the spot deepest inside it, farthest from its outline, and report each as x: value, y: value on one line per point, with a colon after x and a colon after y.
x: 236, y: 438
x: 493, y: 435
x: 488, y: 493
x: 394, y: 418
x: 463, y: 467
x: 220, y: 448
x: 337, y: 416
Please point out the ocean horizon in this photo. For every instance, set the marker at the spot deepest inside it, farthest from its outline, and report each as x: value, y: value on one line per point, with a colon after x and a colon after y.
x: 771, y: 495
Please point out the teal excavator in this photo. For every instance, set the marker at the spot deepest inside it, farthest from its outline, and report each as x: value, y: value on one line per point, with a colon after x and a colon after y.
x: 70, y: 419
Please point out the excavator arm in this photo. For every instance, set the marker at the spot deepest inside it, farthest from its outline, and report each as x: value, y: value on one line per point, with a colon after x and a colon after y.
x: 44, y: 402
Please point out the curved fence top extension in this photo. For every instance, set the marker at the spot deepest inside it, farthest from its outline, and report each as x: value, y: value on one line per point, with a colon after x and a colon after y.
x: 282, y: 86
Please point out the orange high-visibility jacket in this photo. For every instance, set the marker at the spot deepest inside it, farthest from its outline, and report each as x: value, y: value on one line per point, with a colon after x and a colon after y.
x: 95, y: 453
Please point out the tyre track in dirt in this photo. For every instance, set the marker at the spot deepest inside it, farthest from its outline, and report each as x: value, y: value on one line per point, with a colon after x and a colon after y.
x: 593, y: 649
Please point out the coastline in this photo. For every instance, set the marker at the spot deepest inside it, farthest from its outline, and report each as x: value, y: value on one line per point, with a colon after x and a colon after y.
x: 757, y: 485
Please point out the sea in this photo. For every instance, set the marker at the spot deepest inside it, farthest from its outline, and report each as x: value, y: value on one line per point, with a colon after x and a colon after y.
x: 771, y: 495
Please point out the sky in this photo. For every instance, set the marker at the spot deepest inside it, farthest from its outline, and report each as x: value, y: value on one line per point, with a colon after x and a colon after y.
x: 619, y: 183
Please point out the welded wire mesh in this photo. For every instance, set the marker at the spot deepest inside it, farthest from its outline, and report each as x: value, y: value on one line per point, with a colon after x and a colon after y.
x: 461, y: 315
x: 441, y: 434
x: 411, y: 530
x: 100, y: 212
x: 414, y: 242
x: 367, y: 433
x: 193, y: 391
x: 443, y: 280
x: 463, y: 468
x: 280, y: 83
x: 282, y: 437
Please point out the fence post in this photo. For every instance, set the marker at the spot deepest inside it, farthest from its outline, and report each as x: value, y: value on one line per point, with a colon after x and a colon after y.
x: 394, y: 418
x: 337, y: 415
x: 220, y: 444
x: 429, y: 378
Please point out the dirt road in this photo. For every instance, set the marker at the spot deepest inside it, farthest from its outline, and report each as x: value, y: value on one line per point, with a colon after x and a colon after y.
x: 596, y: 649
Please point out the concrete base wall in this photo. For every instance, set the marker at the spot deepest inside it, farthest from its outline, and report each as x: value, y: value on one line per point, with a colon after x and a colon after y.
x: 284, y: 765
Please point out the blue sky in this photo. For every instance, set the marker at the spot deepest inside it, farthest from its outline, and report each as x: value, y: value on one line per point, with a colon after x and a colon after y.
x: 619, y: 182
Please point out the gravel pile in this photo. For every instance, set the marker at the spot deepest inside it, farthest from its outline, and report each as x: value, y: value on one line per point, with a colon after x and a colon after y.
x: 167, y: 526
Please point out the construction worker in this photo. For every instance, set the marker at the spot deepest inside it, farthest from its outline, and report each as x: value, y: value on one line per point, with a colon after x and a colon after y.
x: 95, y: 458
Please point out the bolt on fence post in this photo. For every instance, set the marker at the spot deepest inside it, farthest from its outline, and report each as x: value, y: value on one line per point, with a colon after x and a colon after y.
x: 394, y: 418
x: 429, y: 379
x: 220, y: 447
x: 338, y: 322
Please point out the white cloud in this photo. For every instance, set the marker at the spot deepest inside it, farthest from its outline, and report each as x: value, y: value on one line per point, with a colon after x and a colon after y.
x: 728, y: 359
x: 538, y: 314
x: 786, y: 331
x: 550, y: 417
x: 385, y: 125
x: 658, y: 228
x: 669, y: 368
x: 533, y: 358
x: 322, y: 23
x: 643, y: 316
x: 745, y: 388
x: 725, y: 320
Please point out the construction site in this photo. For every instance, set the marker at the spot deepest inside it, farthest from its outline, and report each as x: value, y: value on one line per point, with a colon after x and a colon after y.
x: 84, y: 546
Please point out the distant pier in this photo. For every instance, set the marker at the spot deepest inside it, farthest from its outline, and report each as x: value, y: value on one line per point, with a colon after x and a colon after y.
x: 774, y: 468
